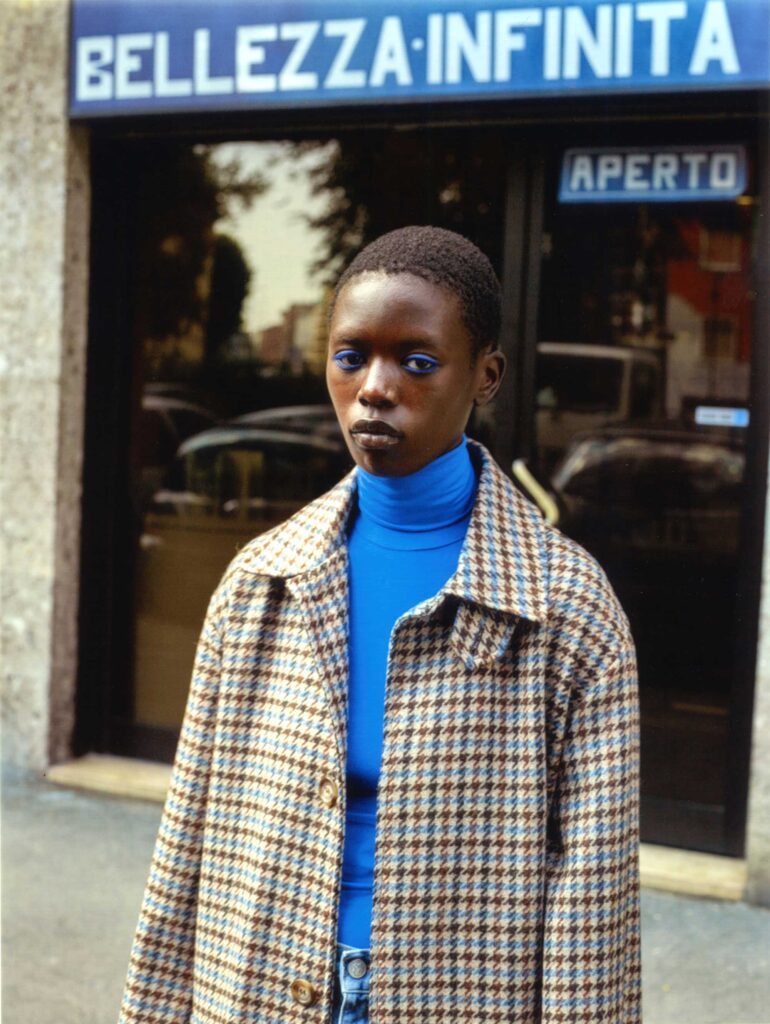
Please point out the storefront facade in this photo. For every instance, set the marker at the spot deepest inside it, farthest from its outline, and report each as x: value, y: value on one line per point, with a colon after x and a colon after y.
x: 611, y: 159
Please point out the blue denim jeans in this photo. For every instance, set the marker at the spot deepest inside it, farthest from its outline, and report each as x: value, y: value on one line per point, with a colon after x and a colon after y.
x: 351, y: 986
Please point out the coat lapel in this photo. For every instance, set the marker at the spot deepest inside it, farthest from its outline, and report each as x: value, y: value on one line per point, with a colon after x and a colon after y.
x: 500, y: 577
x: 502, y: 565
x: 309, y: 553
x: 323, y: 596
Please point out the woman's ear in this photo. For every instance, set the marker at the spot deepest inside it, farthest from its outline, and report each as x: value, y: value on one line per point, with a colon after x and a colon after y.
x: 490, y: 370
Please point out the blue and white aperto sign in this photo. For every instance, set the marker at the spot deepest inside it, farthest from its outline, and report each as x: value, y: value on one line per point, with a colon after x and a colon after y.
x: 662, y: 174
x: 144, y: 56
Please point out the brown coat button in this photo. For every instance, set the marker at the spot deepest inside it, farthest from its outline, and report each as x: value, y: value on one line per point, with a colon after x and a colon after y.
x: 302, y: 992
x: 328, y: 792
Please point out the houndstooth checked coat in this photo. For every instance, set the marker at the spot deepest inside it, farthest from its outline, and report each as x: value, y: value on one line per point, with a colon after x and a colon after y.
x: 506, y: 885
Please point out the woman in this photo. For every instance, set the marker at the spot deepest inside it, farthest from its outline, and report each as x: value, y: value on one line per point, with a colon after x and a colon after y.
x: 406, y: 785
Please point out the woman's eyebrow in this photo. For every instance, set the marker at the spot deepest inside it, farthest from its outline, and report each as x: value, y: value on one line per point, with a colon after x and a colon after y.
x: 409, y: 344
x: 404, y: 345
x: 345, y: 339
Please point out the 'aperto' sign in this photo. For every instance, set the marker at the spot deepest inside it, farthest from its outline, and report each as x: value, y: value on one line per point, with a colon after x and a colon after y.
x: 662, y: 174
x: 145, y: 56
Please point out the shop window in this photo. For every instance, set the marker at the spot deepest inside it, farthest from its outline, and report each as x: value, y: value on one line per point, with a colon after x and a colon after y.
x: 648, y: 465
x: 233, y: 251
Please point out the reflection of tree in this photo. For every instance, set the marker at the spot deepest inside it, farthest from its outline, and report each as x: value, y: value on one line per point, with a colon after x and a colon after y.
x: 230, y: 276
x: 373, y: 185
x: 183, y: 267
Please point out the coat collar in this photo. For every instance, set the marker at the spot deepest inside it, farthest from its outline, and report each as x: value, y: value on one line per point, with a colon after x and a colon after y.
x: 502, y: 565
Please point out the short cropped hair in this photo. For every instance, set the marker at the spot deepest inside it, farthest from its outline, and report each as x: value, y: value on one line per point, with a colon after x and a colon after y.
x: 443, y: 258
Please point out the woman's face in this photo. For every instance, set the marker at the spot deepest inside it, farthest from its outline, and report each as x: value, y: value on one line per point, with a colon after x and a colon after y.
x: 401, y: 373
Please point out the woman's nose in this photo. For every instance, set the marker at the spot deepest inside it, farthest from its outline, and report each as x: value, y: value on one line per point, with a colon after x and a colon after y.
x: 379, y: 385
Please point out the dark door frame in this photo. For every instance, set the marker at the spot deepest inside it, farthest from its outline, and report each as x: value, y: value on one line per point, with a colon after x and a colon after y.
x: 103, y: 686
x: 515, y: 436
x: 753, y: 519
x: 520, y: 285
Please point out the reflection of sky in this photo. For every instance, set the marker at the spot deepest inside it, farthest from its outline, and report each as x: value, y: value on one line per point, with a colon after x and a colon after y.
x: 278, y: 245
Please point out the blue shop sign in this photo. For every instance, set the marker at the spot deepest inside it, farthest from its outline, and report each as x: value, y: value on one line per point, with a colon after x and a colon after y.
x: 146, y: 56
x: 663, y: 174
x: 721, y: 416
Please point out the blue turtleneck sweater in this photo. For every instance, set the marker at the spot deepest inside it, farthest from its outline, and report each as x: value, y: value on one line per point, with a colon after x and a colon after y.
x: 404, y: 545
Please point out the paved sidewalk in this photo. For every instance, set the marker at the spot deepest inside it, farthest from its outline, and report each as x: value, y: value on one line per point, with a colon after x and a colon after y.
x: 74, y: 867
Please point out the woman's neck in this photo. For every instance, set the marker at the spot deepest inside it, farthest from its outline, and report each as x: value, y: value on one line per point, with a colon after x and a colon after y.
x: 436, y: 496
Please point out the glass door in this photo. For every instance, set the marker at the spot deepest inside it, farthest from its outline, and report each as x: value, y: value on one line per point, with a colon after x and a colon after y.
x: 642, y: 419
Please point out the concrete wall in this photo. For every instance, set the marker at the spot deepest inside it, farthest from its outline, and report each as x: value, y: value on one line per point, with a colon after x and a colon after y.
x: 44, y: 214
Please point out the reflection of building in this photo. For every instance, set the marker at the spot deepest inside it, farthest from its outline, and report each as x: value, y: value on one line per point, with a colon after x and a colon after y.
x: 273, y: 345
x: 709, y: 315
x: 304, y: 330
x: 294, y: 342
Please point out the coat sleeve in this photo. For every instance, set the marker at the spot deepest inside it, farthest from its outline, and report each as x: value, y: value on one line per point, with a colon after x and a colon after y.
x: 591, y: 953
x: 159, y: 983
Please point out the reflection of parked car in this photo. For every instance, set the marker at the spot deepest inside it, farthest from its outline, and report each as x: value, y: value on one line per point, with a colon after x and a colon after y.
x: 304, y: 419
x: 660, y: 508
x: 224, y: 486
x: 164, y: 423
x: 581, y: 387
x: 240, y: 472
x: 653, y: 489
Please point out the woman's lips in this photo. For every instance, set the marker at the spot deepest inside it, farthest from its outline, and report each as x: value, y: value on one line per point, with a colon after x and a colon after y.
x: 375, y: 435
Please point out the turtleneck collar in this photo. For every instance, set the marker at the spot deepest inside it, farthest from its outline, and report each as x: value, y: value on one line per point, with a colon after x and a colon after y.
x: 428, y: 508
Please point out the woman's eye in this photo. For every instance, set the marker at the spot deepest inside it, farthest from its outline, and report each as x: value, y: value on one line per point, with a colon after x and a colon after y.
x: 420, y: 364
x: 348, y: 359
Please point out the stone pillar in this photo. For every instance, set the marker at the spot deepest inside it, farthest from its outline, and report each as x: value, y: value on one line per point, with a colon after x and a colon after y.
x: 758, y: 824
x: 758, y: 829
x: 44, y: 218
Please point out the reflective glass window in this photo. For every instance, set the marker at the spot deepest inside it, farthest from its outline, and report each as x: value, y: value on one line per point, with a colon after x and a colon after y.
x: 235, y: 249
x: 643, y: 406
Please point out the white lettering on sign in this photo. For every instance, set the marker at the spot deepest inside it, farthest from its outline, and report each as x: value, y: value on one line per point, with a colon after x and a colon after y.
x: 582, y: 176
x: 472, y: 48
x: 624, y: 40
x: 165, y: 85
x: 434, y: 62
x: 205, y: 83
x: 391, y: 57
x: 721, y: 416
x: 540, y: 43
x: 714, y: 42
x: 724, y: 171
x: 634, y: 179
x: 508, y: 40
x: 303, y: 32
x: 93, y: 81
x: 660, y: 17
x: 127, y: 61
x: 693, y: 162
x: 609, y: 167
x: 595, y: 44
x: 250, y: 53
x: 710, y: 173
x: 552, y: 44
x: 340, y: 76
x: 664, y: 170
